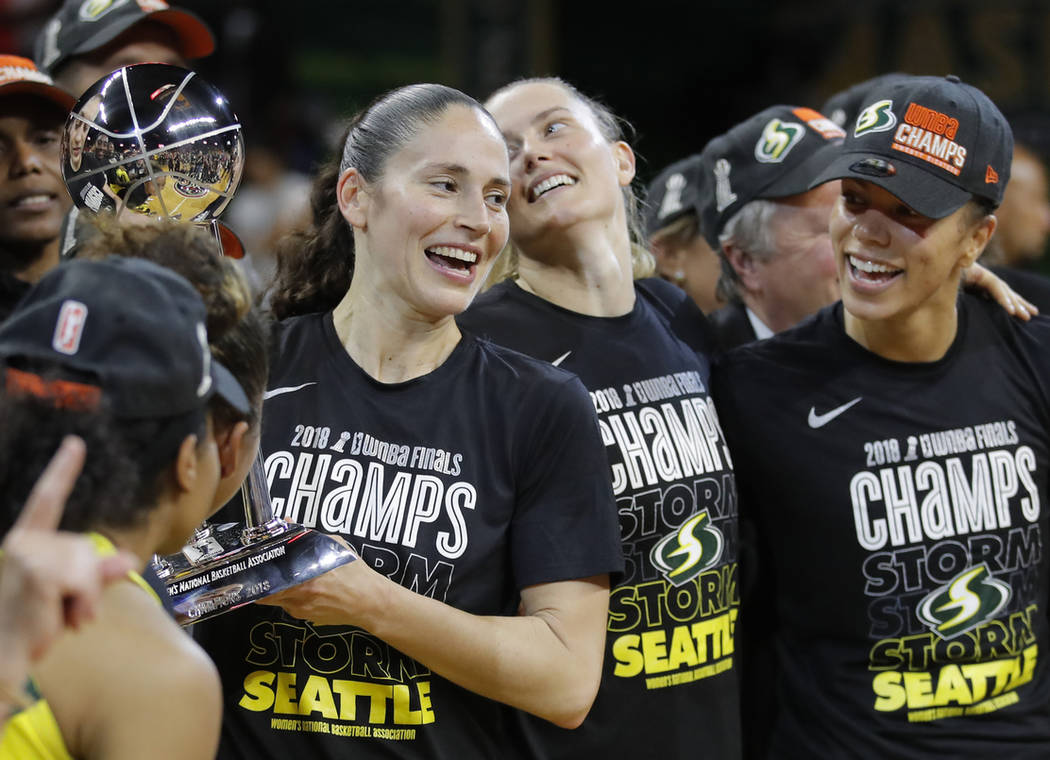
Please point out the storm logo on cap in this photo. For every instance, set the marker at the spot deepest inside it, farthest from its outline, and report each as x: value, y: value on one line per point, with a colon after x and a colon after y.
x: 69, y: 327
x: 878, y: 117
x: 92, y: 10
x: 777, y: 140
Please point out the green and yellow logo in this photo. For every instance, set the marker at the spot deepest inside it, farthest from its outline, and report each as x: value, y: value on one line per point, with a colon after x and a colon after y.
x: 969, y: 599
x: 93, y: 9
x: 777, y: 140
x: 694, y: 547
x: 878, y: 117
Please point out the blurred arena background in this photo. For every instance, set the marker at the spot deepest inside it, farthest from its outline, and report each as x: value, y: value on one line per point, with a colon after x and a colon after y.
x: 680, y: 72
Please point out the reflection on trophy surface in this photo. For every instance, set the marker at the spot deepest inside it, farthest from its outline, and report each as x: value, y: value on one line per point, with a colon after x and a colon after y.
x: 157, y: 140
x: 231, y: 564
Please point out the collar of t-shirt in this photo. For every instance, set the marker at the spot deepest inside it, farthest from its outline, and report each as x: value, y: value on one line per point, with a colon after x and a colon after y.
x: 761, y: 331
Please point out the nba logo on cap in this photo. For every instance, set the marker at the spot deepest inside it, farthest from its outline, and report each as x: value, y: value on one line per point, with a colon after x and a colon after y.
x: 69, y: 328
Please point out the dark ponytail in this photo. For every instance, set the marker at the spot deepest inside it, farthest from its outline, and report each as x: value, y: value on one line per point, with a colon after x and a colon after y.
x: 314, y: 268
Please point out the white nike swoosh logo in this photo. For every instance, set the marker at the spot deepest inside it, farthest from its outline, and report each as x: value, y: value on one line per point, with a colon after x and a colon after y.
x: 289, y: 389
x: 820, y: 420
x: 560, y: 359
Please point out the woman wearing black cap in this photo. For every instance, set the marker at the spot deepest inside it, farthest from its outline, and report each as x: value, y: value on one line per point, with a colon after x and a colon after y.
x: 467, y: 477
x: 116, y: 353
x: 893, y: 454
x: 670, y: 679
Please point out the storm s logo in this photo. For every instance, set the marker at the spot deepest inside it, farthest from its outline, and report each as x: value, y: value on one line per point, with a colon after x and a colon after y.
x: 966, y: 601
x: 694, y: 547
x: 777, y: 140
x: 878, y: 117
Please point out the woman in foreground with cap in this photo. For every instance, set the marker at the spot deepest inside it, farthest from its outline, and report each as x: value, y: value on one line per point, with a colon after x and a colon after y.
x: 115, y: 352
x: 893, y: 455
x: 670, y: 680
x: 467, y: 477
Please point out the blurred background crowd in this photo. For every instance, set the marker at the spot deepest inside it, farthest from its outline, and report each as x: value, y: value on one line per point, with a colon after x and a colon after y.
x: 679, y: 72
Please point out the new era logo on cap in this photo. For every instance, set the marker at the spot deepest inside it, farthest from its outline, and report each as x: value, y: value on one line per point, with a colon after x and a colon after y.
x: 69, y: 327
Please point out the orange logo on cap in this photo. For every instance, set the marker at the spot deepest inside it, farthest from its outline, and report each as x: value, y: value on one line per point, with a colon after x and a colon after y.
x: 991, y: 176
x: 14, y: 68
x: 828, y: 129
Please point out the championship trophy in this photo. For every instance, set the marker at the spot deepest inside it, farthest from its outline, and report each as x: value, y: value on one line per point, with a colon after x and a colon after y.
x: 157, y: 140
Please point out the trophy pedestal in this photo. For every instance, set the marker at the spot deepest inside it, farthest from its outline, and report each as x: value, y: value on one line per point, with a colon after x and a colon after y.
x: 224, y: 568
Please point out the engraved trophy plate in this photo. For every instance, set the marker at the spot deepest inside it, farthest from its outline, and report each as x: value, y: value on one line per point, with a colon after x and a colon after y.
x: 229, y: 565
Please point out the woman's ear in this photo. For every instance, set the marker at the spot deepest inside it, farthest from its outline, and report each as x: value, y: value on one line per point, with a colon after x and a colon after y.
x: 229, y: 444
x: 186, y: 471
x: 625, y: 163
x: 977, y: 238
x: 353, y: 198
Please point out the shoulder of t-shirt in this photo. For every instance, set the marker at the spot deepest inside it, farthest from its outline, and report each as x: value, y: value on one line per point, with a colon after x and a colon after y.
x: 809, y: 341
x: 516, y: 367
x: 295, y: 343
x: 680, y: 312
x: 498, y: 294
x: 1032, y: 285
x: 1032, y: 336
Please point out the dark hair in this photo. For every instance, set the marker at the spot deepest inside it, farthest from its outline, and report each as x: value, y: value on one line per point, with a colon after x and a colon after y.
x: 315, y: 267
x: 128, y: 463
x: 237, y: 330
x: 244, y: 351
x: 187, y: 250
x: 981, y: 207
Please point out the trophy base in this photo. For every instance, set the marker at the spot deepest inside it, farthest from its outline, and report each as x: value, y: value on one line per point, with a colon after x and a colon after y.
x: 219, y: 572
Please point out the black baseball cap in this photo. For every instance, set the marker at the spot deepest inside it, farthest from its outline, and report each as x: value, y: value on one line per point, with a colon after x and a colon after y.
x: 674, y: 193
x: 134, y: 328
x: 843, y: 107
x: 774, y: 154
x: 933, y: 142
x: 81, y: 26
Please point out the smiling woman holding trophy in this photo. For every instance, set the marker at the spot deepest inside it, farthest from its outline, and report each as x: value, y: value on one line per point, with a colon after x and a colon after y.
x: 470, y: 479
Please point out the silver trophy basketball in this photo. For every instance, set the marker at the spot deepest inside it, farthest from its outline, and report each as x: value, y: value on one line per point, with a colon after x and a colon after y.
x: 157, y: 140
x: 154, y: 140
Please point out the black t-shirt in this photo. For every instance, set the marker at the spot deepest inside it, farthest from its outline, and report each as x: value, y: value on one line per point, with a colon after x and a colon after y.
x: 669, y: 687
x: 900, y: 510
x: 467, y: 484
